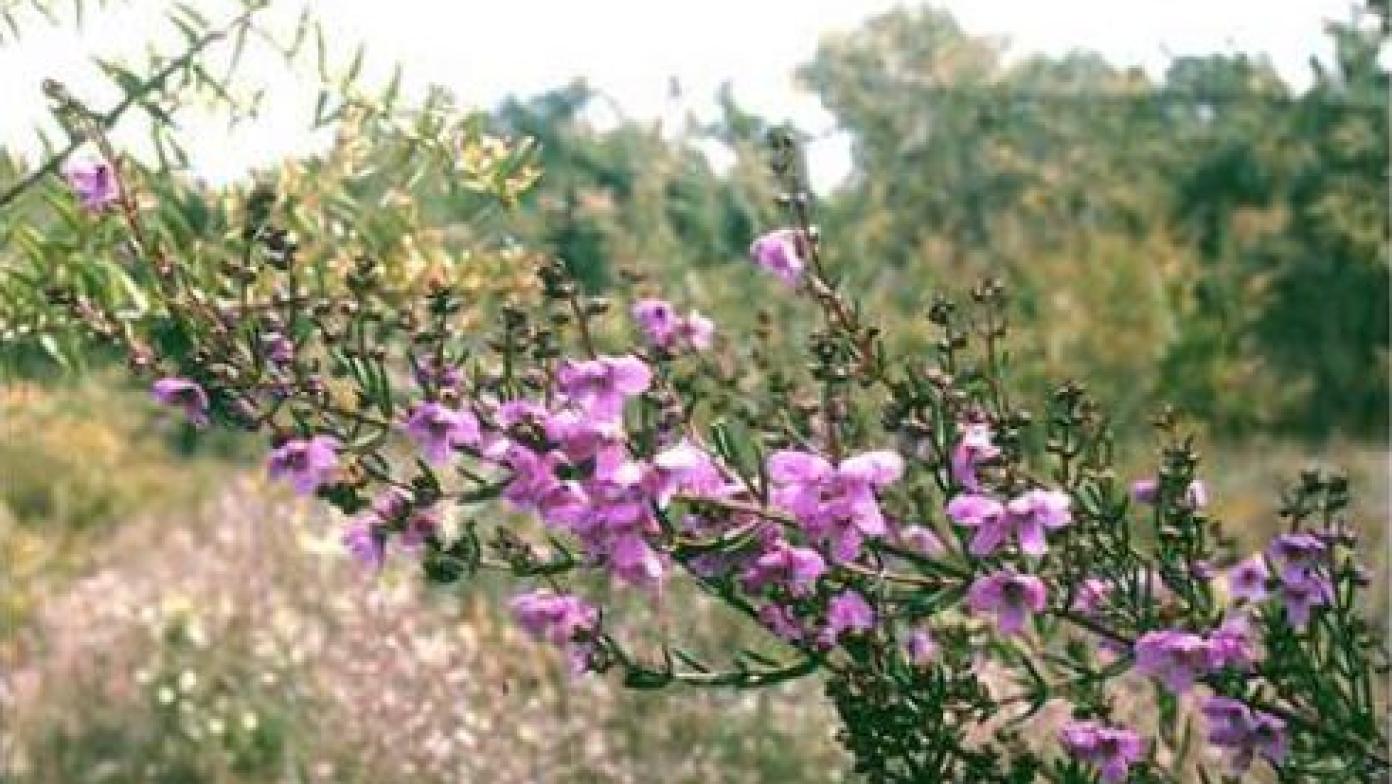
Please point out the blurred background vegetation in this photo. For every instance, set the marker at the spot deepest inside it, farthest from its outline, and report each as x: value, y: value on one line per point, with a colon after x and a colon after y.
x: 1215, y: 239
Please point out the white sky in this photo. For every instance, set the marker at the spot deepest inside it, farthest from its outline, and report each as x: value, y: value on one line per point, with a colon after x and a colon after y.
x: 631, y: 50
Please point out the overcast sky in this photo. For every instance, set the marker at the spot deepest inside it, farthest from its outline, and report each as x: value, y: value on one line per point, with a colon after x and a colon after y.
x: 633, y: 49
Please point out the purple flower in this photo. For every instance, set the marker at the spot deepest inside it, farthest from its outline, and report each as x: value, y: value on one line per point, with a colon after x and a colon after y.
x: 94, y: 183
x: 921, y: 540
x: 975, y: 447
x: 780, y: 252
x: 796, y: 567
x: 658, y: 320
x: 688, y: 469
x: 849, y: 612
x: 435, y: 372
x: 1092, y: 592
x: 1011, y: 597
x: 985, y: 514
x: 1201, y: 568
x: 599, y: 387
x: 277, y: 349
x: 1247, y: 580
x: 1303, y: 587
x: 556, y: 618
x: 1235, y: 727
x: 695, y: 332
x: 581, y: 437
x: 391, y: 506
x: 1112, y: 750
x: 438, y: 430
x: 1302, y: 593
x: 781, y: 621
x: 872, y: 469
x: 634, y: 561
x: 1268, y: 736
x: 560, y: 619
x: 1233, y: 644
x: 665, y: 329
x: 420, y: 524
x: 1026, y: 517
x: 920, y: 648
x: 1177, y: 659
x: 1228, y: 720
x: 366, y: 543
x: 1297, y: 554
x: 534, y: 481
x: 306, y: 462
x: 183, y: 394
x: 837, y: 505
x: 1145, y: 491
x: 1035, y: 511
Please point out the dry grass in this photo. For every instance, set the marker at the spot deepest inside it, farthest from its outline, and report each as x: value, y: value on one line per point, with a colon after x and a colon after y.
x: 237, y: 644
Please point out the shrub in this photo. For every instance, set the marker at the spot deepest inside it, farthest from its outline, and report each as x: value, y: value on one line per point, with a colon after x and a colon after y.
x: 900, y: 525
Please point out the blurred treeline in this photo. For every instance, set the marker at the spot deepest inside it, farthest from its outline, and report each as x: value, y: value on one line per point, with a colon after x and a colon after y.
x: 1216, y: 239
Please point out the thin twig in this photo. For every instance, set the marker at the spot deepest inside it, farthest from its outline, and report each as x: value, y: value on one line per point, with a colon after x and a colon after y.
x: 109, y: 119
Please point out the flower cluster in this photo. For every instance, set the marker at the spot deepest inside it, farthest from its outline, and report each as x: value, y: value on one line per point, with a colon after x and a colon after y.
x: 393, y: 512
x: 438, y: 431
x: 836, y: 505
x: 1303, y: 583
x: 1025, y: 518
x: 1179, y: 659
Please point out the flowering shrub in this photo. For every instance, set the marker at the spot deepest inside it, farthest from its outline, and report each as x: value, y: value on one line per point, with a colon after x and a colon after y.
x: 896, y: 522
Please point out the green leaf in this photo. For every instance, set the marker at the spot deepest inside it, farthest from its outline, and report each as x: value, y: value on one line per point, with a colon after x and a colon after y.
x: 190, y: 33
x: 137, y: 296
x: 389, y: 96
x: 355, y: 67
x: 238, y: 47
x: 192, y: 14
x: 321, y: 53
x: 689, y: 660
x: 756, y: 657
x: 320, y: 103
x: 10, y: 22
x: 301, y: 31
x: 50, y: 346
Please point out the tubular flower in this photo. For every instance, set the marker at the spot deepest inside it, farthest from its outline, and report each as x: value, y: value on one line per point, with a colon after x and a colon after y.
x: 306, y: 462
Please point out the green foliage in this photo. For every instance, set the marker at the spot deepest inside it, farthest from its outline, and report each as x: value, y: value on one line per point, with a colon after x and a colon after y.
x: 78, y: 462
x: 1214, y: 224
